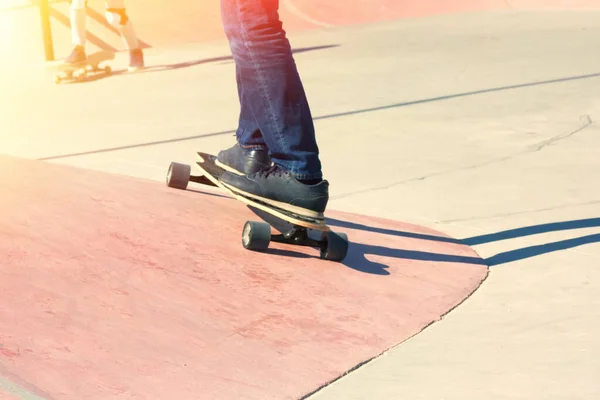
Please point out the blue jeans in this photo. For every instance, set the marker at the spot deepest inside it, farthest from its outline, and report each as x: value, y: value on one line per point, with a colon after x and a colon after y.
x: 274, y: 111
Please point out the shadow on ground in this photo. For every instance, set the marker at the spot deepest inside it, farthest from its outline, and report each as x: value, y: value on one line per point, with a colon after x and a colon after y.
x: 358, y: 251
x: 533, y: 251
x: 186, y: 64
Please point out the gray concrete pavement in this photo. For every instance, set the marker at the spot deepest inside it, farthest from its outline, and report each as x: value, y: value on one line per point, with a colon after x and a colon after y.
x: 473, y: 124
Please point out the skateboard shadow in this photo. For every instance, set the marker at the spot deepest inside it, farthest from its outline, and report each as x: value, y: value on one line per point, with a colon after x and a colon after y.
x: 532, y: 230
x: 391, y: 232
x: 286, y: 253
x: 537, y: 250
x: 186, y: 64
x: 222, y: 59
x: 534, y: 251
x: 208, y: 193
x: 357, y: 253
x: 358, y: 256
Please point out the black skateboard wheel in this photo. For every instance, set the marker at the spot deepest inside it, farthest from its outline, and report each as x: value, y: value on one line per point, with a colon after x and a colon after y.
x: 335, y: 246
x: 256, y: 236
x: 178, y: 176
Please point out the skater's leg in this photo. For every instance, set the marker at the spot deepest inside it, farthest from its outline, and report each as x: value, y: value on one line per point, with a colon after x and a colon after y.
x: 270, y: 85
x: 250, y: 153
x: 77, y: 17
x: 272, y: 92
x: 116, y: 15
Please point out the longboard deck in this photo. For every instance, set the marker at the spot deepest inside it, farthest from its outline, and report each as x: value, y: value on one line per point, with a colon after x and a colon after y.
x: 79, y: 70
x: 213, y: 172
x: 295, y: 229
x: 92, y: 59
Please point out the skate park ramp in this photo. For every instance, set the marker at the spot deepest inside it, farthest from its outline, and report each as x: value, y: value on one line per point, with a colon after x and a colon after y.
x: 113, y: 286
x: 159, y: 25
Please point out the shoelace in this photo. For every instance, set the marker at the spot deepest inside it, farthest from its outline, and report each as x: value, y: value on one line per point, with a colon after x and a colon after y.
x: 272, y: 170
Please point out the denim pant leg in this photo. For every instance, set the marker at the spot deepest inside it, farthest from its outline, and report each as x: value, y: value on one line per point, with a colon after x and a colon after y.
x: 248, y: 132
x: 269, y: 87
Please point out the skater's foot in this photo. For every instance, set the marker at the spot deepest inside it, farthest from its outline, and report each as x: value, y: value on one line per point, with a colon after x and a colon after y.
x: 136, y: 60
x: 280, y: 189
x: 77, y: 55
x: 242, y: 161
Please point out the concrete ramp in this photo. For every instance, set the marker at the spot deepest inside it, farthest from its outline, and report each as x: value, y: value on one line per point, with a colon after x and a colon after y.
x: 114, y: 287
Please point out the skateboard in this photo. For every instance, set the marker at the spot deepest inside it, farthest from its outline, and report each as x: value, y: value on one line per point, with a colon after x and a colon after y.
x: 78, y: 71
x: 293, y: 229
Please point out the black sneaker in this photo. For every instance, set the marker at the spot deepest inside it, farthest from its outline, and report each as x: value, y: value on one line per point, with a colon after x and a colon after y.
x: 279, y: 189
x: 241, y: 161
x: 77, y: 55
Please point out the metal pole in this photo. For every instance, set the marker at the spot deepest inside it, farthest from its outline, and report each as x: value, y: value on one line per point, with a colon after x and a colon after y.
x: 46, y: 30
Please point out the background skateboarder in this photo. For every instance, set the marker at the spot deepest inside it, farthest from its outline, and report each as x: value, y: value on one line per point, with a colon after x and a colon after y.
x: 275, y: 123
x: 117, y: 17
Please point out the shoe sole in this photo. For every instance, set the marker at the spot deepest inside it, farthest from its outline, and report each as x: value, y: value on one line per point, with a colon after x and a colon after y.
x: 303, y: 212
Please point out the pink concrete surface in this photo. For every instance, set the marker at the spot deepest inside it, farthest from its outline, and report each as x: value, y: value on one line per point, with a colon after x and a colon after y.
x: 114, y: 286
x: 201, y: 20
x: 161, y: 24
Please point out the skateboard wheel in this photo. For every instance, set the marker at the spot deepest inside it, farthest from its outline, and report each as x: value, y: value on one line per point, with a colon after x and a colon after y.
x: 256, y: 236
x: 335, y: 246
x: 107, y: 70
x: 178, y: 176
x: 57, y: 79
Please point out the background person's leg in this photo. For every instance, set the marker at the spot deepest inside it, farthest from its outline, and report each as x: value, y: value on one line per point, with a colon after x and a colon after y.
x: 77, y: 17
x: 116, y: 15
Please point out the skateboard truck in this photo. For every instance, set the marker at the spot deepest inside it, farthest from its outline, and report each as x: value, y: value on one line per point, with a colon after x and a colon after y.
x: 80, y: 73
x: 257, y: 236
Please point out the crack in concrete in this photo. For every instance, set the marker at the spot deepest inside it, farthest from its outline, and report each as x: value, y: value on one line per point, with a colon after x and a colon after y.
x: 587, y: 122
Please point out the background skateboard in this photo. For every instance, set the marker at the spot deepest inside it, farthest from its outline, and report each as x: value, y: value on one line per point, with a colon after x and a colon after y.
x: 78, y: 71
x: 294, y: 229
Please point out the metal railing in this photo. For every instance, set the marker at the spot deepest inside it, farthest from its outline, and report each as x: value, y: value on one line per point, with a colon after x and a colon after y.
x: 46, y: 29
